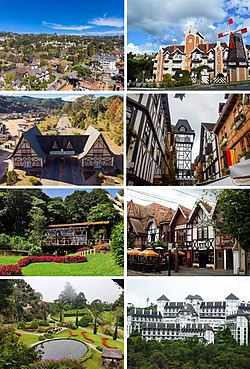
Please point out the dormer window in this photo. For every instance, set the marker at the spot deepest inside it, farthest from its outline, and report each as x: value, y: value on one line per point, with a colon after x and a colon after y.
x: 182, y: 129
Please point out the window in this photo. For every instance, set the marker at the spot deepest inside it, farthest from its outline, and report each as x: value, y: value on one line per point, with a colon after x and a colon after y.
x: 146, y: 134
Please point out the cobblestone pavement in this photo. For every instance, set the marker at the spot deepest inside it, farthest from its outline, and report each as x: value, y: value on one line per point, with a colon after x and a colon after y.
x: 185, y: 271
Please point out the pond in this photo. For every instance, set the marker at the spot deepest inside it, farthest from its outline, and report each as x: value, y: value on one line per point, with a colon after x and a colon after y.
x: 63, y: 348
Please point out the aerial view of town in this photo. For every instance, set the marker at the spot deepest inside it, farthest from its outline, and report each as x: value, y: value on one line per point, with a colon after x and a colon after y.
x: 188, y: 45
x: 37, y: 54
x: 61, y: 140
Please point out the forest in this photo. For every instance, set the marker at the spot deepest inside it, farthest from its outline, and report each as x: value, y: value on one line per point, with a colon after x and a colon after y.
x: 23, y: 104
x: 25, y: 318
x: 104, y: 113
x: 192, y: 353
x: 24, y: 214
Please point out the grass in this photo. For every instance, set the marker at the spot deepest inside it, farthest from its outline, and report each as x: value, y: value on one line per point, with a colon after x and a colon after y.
x: 97, y: 265
x: 31, y: 338
x: 95, y: 362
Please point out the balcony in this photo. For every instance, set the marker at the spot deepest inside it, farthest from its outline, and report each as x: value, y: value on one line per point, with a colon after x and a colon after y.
x: 223, y: 141
x: 238, y: 121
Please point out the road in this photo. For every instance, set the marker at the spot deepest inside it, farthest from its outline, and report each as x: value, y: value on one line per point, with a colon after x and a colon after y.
x: 64, y: 127
x: 4, y: 162
x: 60, y: 173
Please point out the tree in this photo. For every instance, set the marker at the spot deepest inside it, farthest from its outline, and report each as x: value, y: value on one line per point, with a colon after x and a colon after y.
x: 37, y: 225
x: 96, y: 308
x: 68, y: 295
x: 77, y: 322
x: 80, y: 301
x: 117, y: 243
x: 66, y: 108
x: 233, y: 206
x: 103, y: 212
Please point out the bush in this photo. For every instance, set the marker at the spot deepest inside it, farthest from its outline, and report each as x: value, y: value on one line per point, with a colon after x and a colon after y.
x: 41, y: 330
x: 21, y: 325
x: 71, y: 326
x: 11, y: 178
x: 117, y: 243
x: 48, y: 335
x: 12, y: 269
x: 34, y: 324
x: 34, y: 181
x: 41, y: 338
x: 5, y: 242
x: 44, y: 323
x: 53, y: 259
x: 85, y: 320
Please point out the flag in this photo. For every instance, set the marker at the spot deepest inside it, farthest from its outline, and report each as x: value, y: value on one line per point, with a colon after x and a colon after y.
x: 220, y: 35
x: 244, y: 30
x: 230, y: 21
x: 231, y: 157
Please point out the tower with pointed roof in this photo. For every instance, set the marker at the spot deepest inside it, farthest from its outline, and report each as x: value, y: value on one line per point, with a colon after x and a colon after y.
x: 161, y: 302
x: 184, y: 139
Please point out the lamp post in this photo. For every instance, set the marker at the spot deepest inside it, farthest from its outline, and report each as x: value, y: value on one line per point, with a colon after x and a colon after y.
x: 176, y: 266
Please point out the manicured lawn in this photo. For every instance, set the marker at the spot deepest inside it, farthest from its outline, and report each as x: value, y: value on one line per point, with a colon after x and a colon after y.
x: 97, y: 265
x: 30, y: 339
x: 27, y: 338
x: 95, y: 362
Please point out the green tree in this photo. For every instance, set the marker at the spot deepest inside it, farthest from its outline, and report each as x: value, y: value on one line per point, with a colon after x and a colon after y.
x: 117, y: 243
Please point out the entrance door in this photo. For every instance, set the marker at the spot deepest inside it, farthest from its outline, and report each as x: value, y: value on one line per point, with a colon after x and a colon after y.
x: 27, y: 163
x: 203, y: 259
x: 98, y: 164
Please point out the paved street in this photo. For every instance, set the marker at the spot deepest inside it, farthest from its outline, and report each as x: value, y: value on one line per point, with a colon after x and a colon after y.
x: 185, y: 271
x: 64, y: 127
x: 58, y: 173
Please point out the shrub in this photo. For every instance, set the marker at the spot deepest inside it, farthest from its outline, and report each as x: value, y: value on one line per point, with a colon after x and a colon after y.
x: 11, y: 178
x: 44, y: 323
x: 34, y: 324
x: 41, y: 330
x: 71, y: 326
x: 48, y: 335
x: 34, y: 181
x: 12, y: 269
x: 41, y: 338
x: 53, y: 259
x: 21, y: 325
x: 85, y: 320
x: 117, y: 243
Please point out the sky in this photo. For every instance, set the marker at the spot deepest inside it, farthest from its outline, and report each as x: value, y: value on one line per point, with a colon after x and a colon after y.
x: 52, y: 95
x: 156, y: 23
x: 177, y: 288
x: 197, y: 108
x: 91, y: 18
x: 93, y: 288
x: 166, y: 196
x: 63, y: 192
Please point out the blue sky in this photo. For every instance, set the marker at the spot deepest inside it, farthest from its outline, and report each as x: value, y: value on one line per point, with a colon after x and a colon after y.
x: 155, y: 23
x: 63, y: 192
x: 79, y: 17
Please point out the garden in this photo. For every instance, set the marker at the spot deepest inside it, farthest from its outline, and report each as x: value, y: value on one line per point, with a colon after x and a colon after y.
x: 29, y: 246
x: 76, y: 330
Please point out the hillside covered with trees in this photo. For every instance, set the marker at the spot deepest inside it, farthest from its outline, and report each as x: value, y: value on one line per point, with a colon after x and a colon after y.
x: 104, y: 113
x: 225, y: 353
x: 24, y: 104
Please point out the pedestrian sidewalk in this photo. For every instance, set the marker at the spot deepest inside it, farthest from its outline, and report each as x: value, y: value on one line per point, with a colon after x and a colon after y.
x: 185, y: 271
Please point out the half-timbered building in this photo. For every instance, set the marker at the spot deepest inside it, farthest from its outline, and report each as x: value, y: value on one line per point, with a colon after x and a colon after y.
x: 97, y: 153
x: 91, y: 149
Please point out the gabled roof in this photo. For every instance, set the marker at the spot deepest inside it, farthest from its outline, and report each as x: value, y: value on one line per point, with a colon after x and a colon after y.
x: 32, y: 136
x: 231, y: 297
x: 162, y: 298
x: 65, y: 143
x: 209, y: 126
x: 185, y: 212
x: 204, y: 206
x: 93, y: 134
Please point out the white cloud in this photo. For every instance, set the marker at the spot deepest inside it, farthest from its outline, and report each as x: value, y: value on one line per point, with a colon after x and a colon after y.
x: 66, y: 28
x: 108, y: 22
x: 155, y: 17
x: 212, y: 26
x: 147, y: 48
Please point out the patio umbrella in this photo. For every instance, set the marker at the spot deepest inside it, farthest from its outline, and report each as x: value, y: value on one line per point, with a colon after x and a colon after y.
x: 149, y: 253
x: 134, y: 252
x: 173, y: 251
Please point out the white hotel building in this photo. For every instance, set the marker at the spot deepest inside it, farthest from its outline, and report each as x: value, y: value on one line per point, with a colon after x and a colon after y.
x: 192, y: 317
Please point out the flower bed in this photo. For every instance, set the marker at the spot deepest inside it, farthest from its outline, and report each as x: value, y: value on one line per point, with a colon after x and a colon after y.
x: 12, y: 269
x: 51, y: 259
x: 29, y: 329
x: 18, y: 334
x: 15, y: 269
x: 72, y: 334
x: 106, y: 345
x: 87, y: 338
